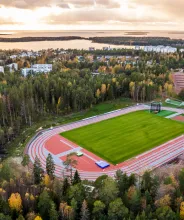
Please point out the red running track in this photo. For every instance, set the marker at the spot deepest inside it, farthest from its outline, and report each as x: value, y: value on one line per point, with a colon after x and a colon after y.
x: 50, y: 141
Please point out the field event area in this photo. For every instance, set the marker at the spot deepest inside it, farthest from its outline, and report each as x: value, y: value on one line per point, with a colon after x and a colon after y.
x: 121, y: 138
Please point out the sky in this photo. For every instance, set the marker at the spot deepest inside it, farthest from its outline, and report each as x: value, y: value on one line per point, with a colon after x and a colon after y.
x: 91, y: 15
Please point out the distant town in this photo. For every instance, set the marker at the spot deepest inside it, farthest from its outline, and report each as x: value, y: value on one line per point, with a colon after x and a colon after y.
x: 13, y: 62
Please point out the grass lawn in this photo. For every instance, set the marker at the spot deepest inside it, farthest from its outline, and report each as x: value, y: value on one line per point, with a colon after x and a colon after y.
x: 126, y: 136
x: 165, y: 113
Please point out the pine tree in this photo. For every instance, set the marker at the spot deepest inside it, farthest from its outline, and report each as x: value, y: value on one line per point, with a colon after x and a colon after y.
x: 37, y: 171
x: 50, y: 166
x: 74, y: 207
x: 44, y: 205
x: 98, y: 210
x: 25, y: 160
x: 53, y: 213
x: 66, y: 185
x: 20, y: 217
x: 181, y: 180
x: 76, y: 178
x: 117, y: 210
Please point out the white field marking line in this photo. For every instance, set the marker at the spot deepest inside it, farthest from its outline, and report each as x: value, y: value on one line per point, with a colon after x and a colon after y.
x: 155, y: 156
x: 68, y: 152
x: 90, y: 157
x: 160, y: 146
x: 158, y: 161
x: 134, y: 169
x: 174, y: 109
x: 70, y: 145
x: 94, y: 175
x: 39, y: 140
x: 62, y: 129
x: 154, y: 159
x: 88, y: 174
x: 173, y: 115
x: 82, y: 158
x: 78, y: 148
x: 102, y: 117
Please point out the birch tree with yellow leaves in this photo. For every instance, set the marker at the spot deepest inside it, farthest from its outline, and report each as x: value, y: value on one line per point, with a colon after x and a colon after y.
x: 15, y: 202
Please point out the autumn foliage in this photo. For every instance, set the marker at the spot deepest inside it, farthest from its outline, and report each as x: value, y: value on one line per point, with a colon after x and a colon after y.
x: 15, y: 202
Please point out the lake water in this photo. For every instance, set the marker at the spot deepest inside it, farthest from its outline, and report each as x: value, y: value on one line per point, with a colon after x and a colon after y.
x: 72, y: 44
x: 76, y: 44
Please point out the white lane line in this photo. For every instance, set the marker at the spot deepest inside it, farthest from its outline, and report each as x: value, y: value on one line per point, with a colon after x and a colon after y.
x: 173, y: 115
x: 68, y: 152
x: 70, y: 145
x: 155, y: 161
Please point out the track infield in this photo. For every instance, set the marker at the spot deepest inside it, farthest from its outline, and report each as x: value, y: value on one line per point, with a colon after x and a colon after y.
x: 121, y: 138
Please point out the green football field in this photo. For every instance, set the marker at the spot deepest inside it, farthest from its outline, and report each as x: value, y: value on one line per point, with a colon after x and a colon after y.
x: 126, y: 136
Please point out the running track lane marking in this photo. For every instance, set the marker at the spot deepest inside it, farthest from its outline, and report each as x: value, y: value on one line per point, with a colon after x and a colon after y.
x: 166, y: 152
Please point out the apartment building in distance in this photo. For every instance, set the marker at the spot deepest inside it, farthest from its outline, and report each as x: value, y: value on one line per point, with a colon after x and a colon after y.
x: 1, y: 69
x: 13, y: 67
x: 37, y: 68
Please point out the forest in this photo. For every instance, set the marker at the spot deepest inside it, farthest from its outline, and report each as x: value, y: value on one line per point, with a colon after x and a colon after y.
x: 29, y: 193
x: 141, y: 41
x: 71, y: 86
x: 26, y: 192
x: 24, y: 100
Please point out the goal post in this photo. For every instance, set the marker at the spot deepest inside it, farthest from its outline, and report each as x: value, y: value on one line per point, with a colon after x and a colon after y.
x: 155, y: 107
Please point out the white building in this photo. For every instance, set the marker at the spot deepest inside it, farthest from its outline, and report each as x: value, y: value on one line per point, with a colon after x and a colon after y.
x: 137, y: 47
x: 128, y: 57
x: 160, y: 49
x: 26, y: 71
x: 106, y: 48
x: 13, y: 56
x: 95, y: 74
x: 1, y: 69
x: 172, y: 50
x: 37, y: 68
x: 13, y: 66
x: 42, y: 67
x: 63, y: 52
x: 29, y: 54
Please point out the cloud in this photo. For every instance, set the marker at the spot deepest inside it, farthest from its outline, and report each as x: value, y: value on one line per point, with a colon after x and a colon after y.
x: 61, y: 3
x: 168, y: 8
x: 83, y: 12
x: 98, y: 16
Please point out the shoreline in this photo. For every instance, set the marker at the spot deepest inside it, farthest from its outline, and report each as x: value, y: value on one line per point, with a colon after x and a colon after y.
x: 131, y: 41
x: 33, y: 39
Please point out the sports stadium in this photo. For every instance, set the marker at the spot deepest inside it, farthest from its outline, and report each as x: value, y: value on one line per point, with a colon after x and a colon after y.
x: 133, y: 139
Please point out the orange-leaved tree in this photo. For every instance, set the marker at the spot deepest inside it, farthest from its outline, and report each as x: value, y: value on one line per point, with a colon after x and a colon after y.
x: 38, y: 218
x: 15, y: 202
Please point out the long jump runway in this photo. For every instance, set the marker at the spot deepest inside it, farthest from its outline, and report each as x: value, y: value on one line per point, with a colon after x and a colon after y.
x: 50, y: 141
